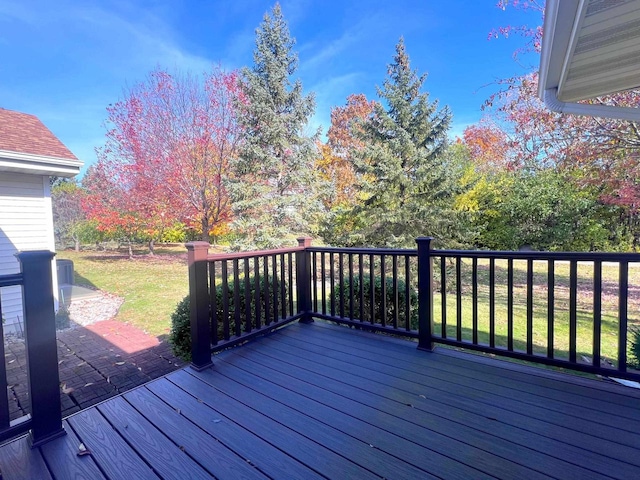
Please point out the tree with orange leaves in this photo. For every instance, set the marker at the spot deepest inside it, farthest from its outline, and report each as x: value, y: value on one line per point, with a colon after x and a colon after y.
x: 344, y: 139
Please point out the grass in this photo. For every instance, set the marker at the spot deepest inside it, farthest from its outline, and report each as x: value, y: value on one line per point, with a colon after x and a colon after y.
x: 153, y: 285
x: 584, y: 311
x: 584, y: 303
x: 150, y: 285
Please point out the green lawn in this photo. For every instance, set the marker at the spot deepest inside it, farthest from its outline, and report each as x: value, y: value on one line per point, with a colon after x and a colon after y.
x: 153, y: 285
x: 150, y: 285
x: 609, y: 336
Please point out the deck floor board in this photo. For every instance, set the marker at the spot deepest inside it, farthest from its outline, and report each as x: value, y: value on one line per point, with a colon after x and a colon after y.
x: 320, y: 401
x: 422, y: 370
x: 219, y: 460
x: 62, y: 459
x: 431, y: 382
x: 435, y: 409
x: 464, y: 444
x: 263, y: 397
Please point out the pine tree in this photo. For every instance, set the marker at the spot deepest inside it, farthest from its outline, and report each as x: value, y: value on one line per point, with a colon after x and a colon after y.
x: 274, y: 193
x: 408, y: 180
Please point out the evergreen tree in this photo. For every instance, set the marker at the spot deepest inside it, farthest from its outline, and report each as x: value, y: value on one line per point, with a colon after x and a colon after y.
x: 407, y: 178
x: 274, y: 193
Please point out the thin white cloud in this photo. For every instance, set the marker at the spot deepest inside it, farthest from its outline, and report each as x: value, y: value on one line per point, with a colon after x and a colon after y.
x: 349, y: 39
x: 330, y: 92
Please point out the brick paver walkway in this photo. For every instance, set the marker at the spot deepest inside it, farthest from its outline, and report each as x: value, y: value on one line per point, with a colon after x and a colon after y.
x: 95, y: 362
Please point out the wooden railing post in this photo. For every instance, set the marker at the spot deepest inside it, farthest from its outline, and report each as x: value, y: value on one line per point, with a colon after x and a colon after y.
x: 41, y: 346
x: 303, y: 280
x: 425, y: 294
x: 199, y: 301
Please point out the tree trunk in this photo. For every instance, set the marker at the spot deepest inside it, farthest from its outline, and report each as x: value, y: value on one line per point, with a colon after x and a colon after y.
x: 205, y: 230
x: 151, y: 247
x: 77, y: 245
x: 130, y: 251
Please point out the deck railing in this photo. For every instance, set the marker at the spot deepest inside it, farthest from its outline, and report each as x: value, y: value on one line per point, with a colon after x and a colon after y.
x: 553, y: 308
x: 45, y: 420
x: 366, y: 287
x: 237, y: 296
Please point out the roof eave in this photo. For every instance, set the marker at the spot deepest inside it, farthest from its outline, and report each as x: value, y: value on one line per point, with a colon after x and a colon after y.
x: 38, y: 164
x: 562, y: 24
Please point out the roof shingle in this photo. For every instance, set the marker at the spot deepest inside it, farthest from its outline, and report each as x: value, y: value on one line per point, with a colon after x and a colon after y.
x: 25, y: 133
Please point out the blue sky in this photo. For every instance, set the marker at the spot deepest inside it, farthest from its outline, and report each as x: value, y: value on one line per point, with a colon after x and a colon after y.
x: 66, y: 61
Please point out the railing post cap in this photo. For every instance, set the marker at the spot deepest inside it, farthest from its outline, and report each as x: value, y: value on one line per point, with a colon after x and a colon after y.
x: 424, y: 239
x: 197, y: 245
x: 35, y: 255
x: 304, y: 241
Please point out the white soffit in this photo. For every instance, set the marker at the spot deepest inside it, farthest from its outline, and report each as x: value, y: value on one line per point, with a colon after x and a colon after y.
x: 590, y: 48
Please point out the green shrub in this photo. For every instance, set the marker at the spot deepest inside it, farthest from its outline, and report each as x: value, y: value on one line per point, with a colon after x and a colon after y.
x: 175, y: 234
x: 180, y: 335
x: 377, y: 291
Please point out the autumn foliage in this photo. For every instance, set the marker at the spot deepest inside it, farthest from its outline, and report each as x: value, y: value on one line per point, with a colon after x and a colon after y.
x: 167, y: 154
x: 344, y: 139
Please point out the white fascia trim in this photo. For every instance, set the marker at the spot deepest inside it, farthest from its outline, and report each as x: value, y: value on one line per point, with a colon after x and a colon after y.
x: 573, y: 40
x: 550, y: 16
x: 605, y: 111
x: 38, y: 164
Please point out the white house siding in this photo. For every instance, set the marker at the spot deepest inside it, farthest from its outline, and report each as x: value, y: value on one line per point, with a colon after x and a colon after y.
x: 25, y: 224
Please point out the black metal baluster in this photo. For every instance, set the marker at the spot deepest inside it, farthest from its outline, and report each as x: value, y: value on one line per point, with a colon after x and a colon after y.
x: 474, y: 295
x: 213, y: 299
x: 314, y: 274
x: 236, y: 298
x: 247, y: 297
x: 394, y: 283
x: 530, y: 306
x: 290, y: 288
x: 597, y: 311
x: 267, y: 298
x: 383, y: 290
x: 443, y: 296
x: 407, y: 293
x: 551, y: 300
x: 361, y: 289
x: 372, y: 287
x: 458, y: 299
x: 275, y: 284
x: 332, y: 291
x: 323, y: 275
x: 573, y: 300
x: 492, y: 302
x: 510, y: 304
x: 622, y: 316
x: 226, y: 317
x: 258, y: 291
x: 351, y: 291
x: 283, y: 287
x: 341, y: 283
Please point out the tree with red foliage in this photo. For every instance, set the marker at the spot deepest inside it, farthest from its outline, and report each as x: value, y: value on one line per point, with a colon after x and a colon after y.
x: 168, y: 149
x: 487, y: 145
x: 344, y: 138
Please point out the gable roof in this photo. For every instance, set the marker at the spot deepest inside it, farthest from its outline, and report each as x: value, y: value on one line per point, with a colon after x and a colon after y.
x: 28, y: 146
x: 590, y: 48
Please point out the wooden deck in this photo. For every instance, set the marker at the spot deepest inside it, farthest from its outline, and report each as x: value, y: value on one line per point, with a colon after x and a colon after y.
x: 318, y: 401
